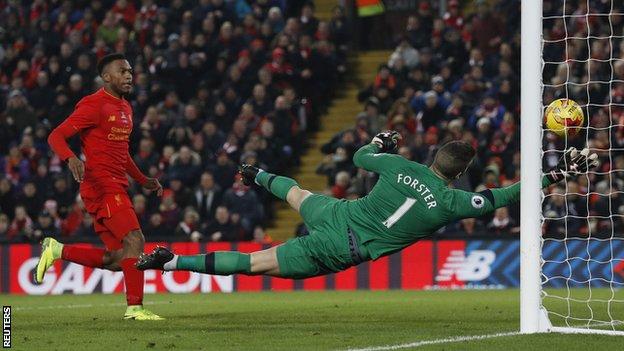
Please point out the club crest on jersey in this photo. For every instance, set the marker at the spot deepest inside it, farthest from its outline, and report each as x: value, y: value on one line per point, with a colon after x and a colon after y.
x: 477, y: 201
x: 118, y: 199
x: 124, y: 118
x: 111, y: 118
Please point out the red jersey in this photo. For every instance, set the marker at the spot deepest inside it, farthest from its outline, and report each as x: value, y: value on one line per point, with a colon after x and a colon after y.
x: 104, y: 123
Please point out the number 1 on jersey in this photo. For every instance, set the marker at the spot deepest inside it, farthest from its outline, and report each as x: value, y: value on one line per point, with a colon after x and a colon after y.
x: 409, y: 202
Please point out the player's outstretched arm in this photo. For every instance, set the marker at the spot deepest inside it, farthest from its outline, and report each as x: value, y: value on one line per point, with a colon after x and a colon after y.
x: 466, y: 204
x: 374, y: 157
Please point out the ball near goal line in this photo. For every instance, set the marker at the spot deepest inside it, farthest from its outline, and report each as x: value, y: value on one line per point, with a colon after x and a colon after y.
x: 564, y: 117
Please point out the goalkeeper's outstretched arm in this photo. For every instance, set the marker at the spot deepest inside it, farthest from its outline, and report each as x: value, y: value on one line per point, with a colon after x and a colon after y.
x: 371, y: 158
x: 467, y: 204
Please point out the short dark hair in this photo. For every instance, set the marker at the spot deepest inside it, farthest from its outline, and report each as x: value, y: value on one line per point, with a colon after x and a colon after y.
x: 104, y: 61
x: 453, y: 158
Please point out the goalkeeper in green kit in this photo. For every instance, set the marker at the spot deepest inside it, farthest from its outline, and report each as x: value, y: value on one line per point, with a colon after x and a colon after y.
x: 409, y: 202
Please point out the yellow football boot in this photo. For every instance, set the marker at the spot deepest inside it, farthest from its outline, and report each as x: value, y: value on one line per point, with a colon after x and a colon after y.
x: 50, y: 252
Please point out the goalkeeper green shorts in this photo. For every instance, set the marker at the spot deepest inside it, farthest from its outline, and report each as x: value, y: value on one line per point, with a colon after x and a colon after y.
x: 325, y: 249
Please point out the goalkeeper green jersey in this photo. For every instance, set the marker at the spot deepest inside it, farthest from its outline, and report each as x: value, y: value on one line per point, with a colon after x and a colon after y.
x: 410, y: 202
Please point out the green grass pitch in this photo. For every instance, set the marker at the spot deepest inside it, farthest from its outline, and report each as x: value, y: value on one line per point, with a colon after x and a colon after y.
x: 285, y: 321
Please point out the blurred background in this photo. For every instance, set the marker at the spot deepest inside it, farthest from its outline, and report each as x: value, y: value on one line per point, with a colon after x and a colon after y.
x: 295, y: 87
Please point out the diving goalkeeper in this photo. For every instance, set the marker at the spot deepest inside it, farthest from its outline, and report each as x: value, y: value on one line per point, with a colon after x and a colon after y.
x: 409, y: 202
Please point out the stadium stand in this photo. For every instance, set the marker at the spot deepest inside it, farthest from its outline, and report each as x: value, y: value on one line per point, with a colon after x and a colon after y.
x: 223, y: 82
x: 456, y: 77
x: 216, y: 83
x: 447, y: 79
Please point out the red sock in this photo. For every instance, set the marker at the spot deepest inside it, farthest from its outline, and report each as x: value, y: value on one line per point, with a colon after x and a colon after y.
x: 83, y: 255
x: 134, y: 281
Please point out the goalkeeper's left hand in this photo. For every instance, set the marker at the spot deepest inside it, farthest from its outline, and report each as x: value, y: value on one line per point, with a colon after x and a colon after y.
x: 387, y: 141
x: 572, y: 163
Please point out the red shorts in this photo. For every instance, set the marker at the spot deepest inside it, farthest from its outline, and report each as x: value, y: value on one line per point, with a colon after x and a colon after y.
x: 113, y: 217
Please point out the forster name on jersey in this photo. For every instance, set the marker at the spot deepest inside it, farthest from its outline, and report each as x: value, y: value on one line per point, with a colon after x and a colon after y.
x: 421, y: 188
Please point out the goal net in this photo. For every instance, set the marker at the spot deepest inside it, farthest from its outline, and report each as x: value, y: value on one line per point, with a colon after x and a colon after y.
x: 581, y: 244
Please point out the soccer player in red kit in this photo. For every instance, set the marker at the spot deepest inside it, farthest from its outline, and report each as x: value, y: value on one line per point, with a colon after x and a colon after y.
x: 104, y: 122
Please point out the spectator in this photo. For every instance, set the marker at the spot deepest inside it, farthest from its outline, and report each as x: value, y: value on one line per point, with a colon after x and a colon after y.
x: 63, y: 195
x: 336, y: 163
x: 430, y: 111
x: 169, y: 210
x: 139, y: 202
x: 453, y: 17
x: 372, y: 116
x: 404, y: 53
x: 185, y: 166
x: 5, y: 224
x: 487, y: 29
x: 21, y: 227
x: 30, y: 199
x: 309, y: 23
x: 244, y: 202
x: 261, y: 237
x: 207, y: 196
x: 490, y: 109
x: 339, y: 190
x: 224, y: 170
x: 85, y: 229
x: 187, y: 229
x: 221, y: 227
x: 19, y: 113
x: 44, y: 227
x: 70, y: 225
x: 156, y: 229
x: 502, y: 223
x: 146, y: 157
x: 183, y: 196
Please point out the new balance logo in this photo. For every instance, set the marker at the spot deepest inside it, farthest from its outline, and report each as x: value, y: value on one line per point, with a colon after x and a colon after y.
x: 475, y: 267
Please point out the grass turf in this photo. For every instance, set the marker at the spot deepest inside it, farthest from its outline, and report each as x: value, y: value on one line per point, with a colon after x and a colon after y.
x: 283, y: 321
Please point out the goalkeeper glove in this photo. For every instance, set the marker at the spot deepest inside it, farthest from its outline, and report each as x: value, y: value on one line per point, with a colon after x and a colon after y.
x: 572, y: 163
x: 387, y: 141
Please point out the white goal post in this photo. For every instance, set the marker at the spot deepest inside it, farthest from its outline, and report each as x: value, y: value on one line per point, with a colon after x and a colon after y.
x: 532, y: 318
x: 535, y: 316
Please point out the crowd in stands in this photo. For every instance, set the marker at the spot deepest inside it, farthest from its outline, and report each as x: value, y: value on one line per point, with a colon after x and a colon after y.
x: 591, y: 72
x: 216, y: 83
x: 456, y: 77
x: 220, y: 82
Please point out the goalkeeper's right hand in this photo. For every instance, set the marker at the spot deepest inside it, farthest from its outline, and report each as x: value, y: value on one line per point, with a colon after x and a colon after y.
x: 572, y: 163
x: 387, y: 141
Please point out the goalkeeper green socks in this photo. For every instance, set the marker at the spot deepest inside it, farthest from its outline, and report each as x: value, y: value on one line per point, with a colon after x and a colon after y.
x: 277, y: 185
x: 219, y: 263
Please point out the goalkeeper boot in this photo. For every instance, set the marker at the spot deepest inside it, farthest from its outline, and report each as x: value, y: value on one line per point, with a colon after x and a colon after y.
x: 138, y: 313
x: 50, y: 252
x: 249, y: 173
x: 154, y: 260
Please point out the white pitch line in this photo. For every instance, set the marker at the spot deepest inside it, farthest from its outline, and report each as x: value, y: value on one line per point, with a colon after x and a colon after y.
x: 436, y: 341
